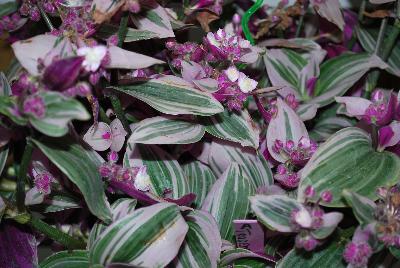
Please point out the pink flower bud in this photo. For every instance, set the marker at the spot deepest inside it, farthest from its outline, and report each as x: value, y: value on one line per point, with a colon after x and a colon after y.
x: 34, y: 14
x: 236, y: 19
x: 34, y: 105
x: 281, y: 169
x: 62, y: 74
x: 327, y: 196
x: 105, y: 170
x: 289, y: 145
x: 309, y: 192
x: 357, y: 254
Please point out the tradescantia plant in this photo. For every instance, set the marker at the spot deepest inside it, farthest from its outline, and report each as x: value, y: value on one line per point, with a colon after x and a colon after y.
x: 144, y: 133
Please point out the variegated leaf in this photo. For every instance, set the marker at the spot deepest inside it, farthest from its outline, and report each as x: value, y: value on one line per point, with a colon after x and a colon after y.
x: 274, y: 211
x: 232, y: 126
x: 252, y: 162
x: 125, y: 59
x: 286, y: 125
x: 155, y: 20
x: 330, y: 10
x: 234, y: 256
x: 324, y: 128
x: 363, y: 208
x: 58, y: 201
x: 104, y: 10
x: 149, y: 237
x: 80, y: 166
x: 70, y: 259
x: 201, y: 179
x: 164, y: 171
x: 3, y: 157
x: 202, y: 244
x: 339, y: 74
x: 347, y: 161
x: 165, y: 130
x: 5, y: 89
x: 368, y: 39
x: 228, y: 199
x: 60, y: 111
x: 7, y: 7
x: 173, y: 98
x: 106, y: 30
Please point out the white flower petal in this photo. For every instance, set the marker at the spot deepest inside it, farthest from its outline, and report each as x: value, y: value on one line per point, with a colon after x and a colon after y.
x: 232, y: 73
x: 94, y: 137
x: 246, y: 84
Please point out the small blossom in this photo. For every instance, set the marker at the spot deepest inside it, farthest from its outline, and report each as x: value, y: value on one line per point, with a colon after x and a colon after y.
x: 326, y: 196
x: 309, y: 192
x: 93, y: 57
x: 246, y: 84
x: 34, y: 105
x: 232, y: 73
x: 142, y: 180
x: 302, y: 217
x: 112, y: 157
x: 357, y: 254
x: 307, y: 242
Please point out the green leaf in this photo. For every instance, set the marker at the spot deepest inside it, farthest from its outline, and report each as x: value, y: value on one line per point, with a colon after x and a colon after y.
x: 232, y: 126
x: 70, y: 259
x: 228, y: 199
x: 243, y: 257
x: 324, y: 128
x: 274, y: 211
x: 60, y: 111
x: 347, y: 161
x: 163, y: 130
x: 5, y: 89
x: 8, y: 108
x: 57, y: 201
x: 149, y: 237
x: 363, y: 208
x: 202, y: 244
x: 368, y: 37
x: 170, y: 98
x: 106, y: 30
x: 3, y: 157
x: 339, y: 74
x: 81, y: 167
x: 252, y: 162
x: 7, y: 7
x: 164, y: 171
x: 328, y: 255
x: 201, y: 179
x: 395, y: 252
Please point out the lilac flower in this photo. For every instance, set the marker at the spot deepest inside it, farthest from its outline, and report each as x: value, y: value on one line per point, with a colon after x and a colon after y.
x: 34, y: 105
x: 358, y: 251
x: 42, y: 178
x: 102, y: 136
x: 297, y: 153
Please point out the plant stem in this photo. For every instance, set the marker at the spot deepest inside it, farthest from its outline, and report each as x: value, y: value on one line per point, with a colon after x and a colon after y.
x: 374, y: 136
x: 123, y: 28
x: 362, y: 10
x: 384, y: 53
x: 300, y: 26
x: 246, y: 18
x: 103, y: 117
x: 21, y: 179
x: 119, y: 112
x: 45, y: 18
x: 53, y: 233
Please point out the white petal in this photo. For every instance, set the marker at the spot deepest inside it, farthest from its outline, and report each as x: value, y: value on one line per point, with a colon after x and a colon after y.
x: 232, y: 73
x: 303, y: 218
x: 94, y: 137
x: 118, y: 135
x: 246, y: 84
x: 212, y: 40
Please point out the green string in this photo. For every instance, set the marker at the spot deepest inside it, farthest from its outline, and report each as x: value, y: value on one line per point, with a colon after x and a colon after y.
x: 246, y: 18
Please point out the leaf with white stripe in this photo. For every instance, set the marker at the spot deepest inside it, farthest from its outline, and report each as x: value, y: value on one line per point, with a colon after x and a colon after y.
x: 164, y: 130
x: 5, y: 89
x: 60, y: 110
x: 201, y: 179
x: 106, y: 30
x: 232, y: 126
x: 3, y: 157
x: 286, y: 125
x: 347, y: 161
x: 368, y: 39
x: 202, y: 244
x: 58, y: 201
x: 149, y: 237
x: 252, y: 162
x: 274, y: 211
x: 339, y: 74
x: 363, y: 208
x: 8, y: 7
x: 173, y: 98
x: 228, y: 199
x: 235, y: 256
x: 324, y: 128
x: 81, y: 167
x: 164, y: 171
x: 70, y: 259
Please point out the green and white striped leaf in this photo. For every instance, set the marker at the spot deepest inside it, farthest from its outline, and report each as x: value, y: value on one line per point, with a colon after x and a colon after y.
x: 173, y: 98
x: 252, y: 162
x: 232, y: 126
x: 7, y: 108
x: 324, y: 128
x: 284, y: 67
x: 237, y: 255
x: 60, y: 110
x: 149, y: 237
x: 7, y: 7
x: 70, y: 259
x: 274, y: 211
x: 368, y: 39
x: 326, y: 256
x: 5, y: 89
x: 363, y: 208
x: 80, y: 166
x: 164, y: 171
x: 202, y: 244
x: 3, y: 157
x: 286, y: 125
x: 106, y: 30
x: 119, y: 209
x: 339, y: 74
x: 58, y: 201
x: 164, y: 130
x: 347, y: 161
x: 200, y: 179
x: 228, y: 199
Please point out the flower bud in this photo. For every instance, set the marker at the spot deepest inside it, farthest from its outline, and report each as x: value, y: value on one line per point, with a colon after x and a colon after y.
x: 326, y: 196
x: 62, y: 74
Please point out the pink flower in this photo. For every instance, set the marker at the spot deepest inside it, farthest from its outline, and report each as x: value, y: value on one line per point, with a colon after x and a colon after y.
x: 357, y: 254
x: 35, y: 106
x: 62, y: 74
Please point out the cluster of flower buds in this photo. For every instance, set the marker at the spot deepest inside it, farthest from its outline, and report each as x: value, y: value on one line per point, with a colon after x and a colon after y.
x: 78, y: 20
x: 29, y: 8
x: 10, y: 23
x: 225, y: 46
x: 25, y: 84
x: 137, y: 176
x: 233, y: 88
x: 291, y: 100
x: 358, y: 251
x: 188, y: 51
x: 42, y: 181
x: 377, y: 111
x: 310, y: 218
x: 298, y: 154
